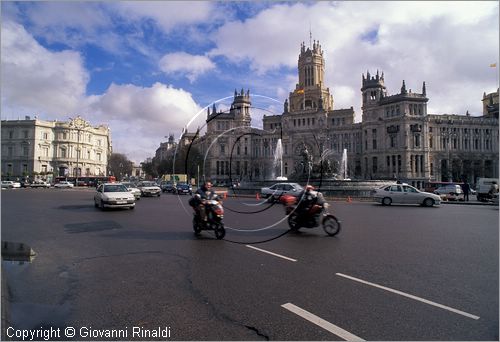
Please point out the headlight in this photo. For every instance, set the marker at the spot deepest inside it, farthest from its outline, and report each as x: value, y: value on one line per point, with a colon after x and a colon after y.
x: 326, y: 205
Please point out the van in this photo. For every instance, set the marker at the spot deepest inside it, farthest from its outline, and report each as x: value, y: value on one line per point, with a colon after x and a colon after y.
x: 483, y: 187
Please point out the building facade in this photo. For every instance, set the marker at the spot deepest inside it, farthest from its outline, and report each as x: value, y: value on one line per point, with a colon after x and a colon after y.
x: 396, y: 139
x: 44, y: 149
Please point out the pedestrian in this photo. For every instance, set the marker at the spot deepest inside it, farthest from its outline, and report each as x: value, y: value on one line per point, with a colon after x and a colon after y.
x: 466, y: 190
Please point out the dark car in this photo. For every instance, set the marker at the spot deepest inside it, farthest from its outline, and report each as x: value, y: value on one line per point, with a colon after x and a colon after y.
x: 183, y: 188
x: 167, y: 187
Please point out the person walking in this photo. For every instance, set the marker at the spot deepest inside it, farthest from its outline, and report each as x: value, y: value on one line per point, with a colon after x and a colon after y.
x: 466, y: 190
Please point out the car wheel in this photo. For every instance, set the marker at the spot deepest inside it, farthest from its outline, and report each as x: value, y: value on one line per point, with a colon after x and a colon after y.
x: 386, y: 201
x: 95, y: 204
x: 428, y: 202
x: 132, y: 207
x: 101, y: 205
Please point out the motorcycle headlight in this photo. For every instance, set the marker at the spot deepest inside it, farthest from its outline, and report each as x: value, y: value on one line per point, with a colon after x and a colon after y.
x: 326, y: 205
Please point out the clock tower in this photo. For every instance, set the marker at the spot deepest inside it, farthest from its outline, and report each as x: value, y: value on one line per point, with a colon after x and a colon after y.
x: 310, y: 93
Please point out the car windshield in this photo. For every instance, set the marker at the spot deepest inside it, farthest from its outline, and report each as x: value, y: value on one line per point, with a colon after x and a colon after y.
x: 115, y: 188
x: 148, y: 184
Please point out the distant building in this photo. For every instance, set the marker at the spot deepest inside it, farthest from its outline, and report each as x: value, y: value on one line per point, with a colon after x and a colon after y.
x: 396, y: 139
x: 44, y: 149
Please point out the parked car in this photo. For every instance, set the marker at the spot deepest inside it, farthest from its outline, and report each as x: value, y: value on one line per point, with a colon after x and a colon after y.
x: 64, y: 184
x: 404, y: 194
x: 113, y: 195
x: 449, y: 189
x: 149, y: 188
x: 167, y: 186
x: 40, y: 184
x: 10, y: 184
x: 279, y: 189
x: 133, y: 189
x: 183, y: 188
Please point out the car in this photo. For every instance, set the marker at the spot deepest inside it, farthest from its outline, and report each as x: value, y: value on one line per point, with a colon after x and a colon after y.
x: 113, y: 195
x: 149, y: 188
x: 167, y: 187
x: 64, y: 184
x: 451, y: 189
x: 40, y: 184
x: 10, y: 184
x: 404, y: 194
x: 279, y: 189
x: 450, y: 192
x: 184, y: 188
x: 133, y: 189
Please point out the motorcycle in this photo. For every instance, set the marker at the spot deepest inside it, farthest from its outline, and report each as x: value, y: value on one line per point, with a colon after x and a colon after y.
x: 215, y: 213
x: 312, y: 217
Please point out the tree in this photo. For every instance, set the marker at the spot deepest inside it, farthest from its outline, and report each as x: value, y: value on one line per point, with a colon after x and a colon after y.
x: 119, y: 166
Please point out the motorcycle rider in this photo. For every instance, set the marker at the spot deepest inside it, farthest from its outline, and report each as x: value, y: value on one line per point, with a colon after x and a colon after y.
x: 202, y: 194
x: 309, y: 198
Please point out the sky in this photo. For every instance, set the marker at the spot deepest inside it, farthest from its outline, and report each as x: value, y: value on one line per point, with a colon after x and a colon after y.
x: 150, y: 69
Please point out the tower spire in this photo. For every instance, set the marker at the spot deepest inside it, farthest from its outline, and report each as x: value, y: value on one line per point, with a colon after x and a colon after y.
x: 310, y: 35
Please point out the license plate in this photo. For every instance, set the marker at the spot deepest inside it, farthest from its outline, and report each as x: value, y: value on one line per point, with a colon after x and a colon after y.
x: 121, y: 202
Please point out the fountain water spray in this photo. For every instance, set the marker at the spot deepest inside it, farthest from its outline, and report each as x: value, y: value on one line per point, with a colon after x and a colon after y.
x: 278, y: 160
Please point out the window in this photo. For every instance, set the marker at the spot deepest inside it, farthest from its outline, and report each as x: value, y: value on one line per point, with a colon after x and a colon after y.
x: 417, y: 140
x: 25, y: 151
x: 11, y: 134
x: 222, y: 148
x: 25, y: 134
x: 374, y: 166
x: 99, y: 156
x: 9, y: 151
x: 63, y: 153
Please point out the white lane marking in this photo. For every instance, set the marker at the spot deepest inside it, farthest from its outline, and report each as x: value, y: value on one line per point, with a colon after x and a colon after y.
x: 322, y: 323
x: 411, y: 296
x: 279, y: 256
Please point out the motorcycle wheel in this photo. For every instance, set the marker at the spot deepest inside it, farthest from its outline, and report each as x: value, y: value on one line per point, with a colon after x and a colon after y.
x: 331, y: 225
x: 219, y: 230
x: 292, y: 222
x: 196, y: 226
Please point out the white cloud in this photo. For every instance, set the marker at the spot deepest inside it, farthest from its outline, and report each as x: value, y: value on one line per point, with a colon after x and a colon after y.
x: 167, y: 14
x: 36, y: 80
x: 142, y: 116
x: 181, y: 62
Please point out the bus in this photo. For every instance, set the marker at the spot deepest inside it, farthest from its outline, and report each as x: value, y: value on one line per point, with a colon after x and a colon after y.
x: 86, y: 180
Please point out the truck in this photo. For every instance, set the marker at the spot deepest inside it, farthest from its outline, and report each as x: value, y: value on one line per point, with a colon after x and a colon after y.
x: 175, y: 178
x: 483, y: 187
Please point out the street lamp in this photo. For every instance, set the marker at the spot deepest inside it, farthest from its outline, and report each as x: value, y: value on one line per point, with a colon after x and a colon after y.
x: 79, y: 125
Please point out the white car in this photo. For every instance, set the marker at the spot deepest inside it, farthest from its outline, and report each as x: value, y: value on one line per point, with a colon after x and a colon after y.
x: 280, y: 189
x: 40, y: 184
x: 10, y: 184
x: 113, y: 195
x: 135, y: 191
x: 149, y: 189
x: 64, y: 184
x: 449, y: 189
x: 404, y: 194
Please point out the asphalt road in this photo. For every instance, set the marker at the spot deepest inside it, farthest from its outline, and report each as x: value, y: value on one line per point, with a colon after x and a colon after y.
x: 393, y: 273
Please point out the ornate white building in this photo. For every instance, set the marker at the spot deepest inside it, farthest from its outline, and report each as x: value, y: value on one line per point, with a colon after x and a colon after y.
x: 396, y: 139
x: 33, y: 147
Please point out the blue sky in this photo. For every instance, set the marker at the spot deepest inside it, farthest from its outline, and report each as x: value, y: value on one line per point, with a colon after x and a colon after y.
x: 147, y: 68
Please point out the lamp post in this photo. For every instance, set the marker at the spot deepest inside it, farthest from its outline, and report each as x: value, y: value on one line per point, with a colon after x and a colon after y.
x: 79, y: 125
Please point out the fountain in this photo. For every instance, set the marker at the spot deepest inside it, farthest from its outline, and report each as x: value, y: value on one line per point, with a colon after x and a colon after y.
x: 278, y: 161
x: 343, y: 166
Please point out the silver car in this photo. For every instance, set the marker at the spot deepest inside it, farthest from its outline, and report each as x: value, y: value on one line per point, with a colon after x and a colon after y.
x: 404, y: 194
x: 113, y: 195
x: 149, y: 188
x: 280, y: 189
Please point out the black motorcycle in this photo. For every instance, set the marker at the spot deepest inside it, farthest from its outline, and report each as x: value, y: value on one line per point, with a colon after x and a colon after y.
x: 215, y: 214
x: 312, y: 217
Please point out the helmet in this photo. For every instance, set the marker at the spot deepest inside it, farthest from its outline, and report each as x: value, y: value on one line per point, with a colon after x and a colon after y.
x: 309, y: 187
